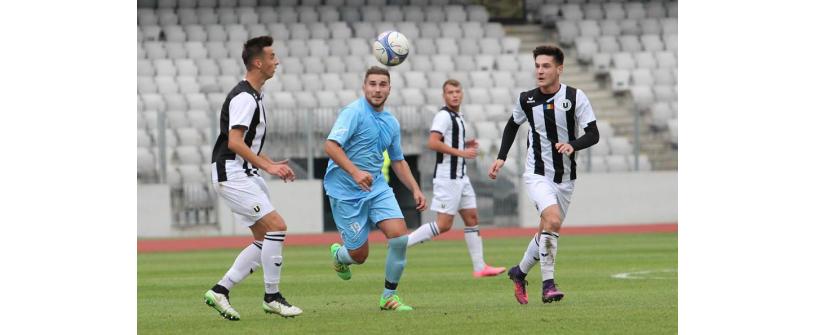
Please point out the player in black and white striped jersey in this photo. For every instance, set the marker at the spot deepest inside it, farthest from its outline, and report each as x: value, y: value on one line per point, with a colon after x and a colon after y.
x: 452, y: 191
x: 555, y: 112
x: 236, y: 159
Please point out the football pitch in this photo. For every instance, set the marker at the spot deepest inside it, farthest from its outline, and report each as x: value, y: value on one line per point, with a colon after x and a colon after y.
x: 614, y: 284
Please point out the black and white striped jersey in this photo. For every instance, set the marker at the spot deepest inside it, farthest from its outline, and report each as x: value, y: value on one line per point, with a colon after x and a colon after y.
x: 451, y: 126
x: 552, y: 119
x: 243, y: 108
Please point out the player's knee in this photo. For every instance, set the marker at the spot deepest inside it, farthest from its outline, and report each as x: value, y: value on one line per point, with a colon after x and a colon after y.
x: 552, y: 223
x: 444, y: 227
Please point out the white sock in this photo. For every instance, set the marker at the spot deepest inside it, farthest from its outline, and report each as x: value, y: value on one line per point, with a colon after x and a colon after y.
x: 423, y: 233
x: 272, y: 259
x: 530, y: 255
x: 472, y: 235
x: 548, y: 252
x: 246, y: 263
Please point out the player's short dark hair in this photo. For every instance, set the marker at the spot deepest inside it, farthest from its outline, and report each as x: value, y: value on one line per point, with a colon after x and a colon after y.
x: 549, y: 50
x: 254, y: 48
x: 451, y: 82
x: 377, y: 70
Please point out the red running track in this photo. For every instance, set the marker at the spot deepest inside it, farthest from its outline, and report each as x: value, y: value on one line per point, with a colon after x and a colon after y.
x: 209, y: 243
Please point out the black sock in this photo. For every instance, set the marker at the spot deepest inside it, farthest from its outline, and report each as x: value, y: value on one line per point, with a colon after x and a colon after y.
x: 390, y: 286
x: 269, y: 297
x: 220, y: 289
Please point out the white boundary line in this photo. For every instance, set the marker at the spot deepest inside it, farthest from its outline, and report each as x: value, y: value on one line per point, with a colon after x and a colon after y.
x: 643, y: 274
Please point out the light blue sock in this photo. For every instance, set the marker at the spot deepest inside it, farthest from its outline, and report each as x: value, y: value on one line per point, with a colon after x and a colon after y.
x: 395, y: 263
x: 343, y: 256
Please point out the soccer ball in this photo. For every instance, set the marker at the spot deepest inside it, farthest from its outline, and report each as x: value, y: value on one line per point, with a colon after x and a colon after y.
x: 391, y: 48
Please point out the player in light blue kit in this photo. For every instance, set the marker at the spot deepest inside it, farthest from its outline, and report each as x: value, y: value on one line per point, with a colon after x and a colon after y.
x: 359, y: 195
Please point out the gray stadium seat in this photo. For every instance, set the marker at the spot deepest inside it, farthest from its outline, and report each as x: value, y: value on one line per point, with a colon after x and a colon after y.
x: 666, y: 59
x: 177, y: 119
x: 643, y: 97
x: 155, y: 50
x: 415, y: 79
x: 328, y: 14
x: 412, y: 97
x: 350, y: 14
x: 332, y: 82
x: 433, y: 96
x: 175, y: 50
x: 671, y: 42
x: 490, y: 46
x: 601, y: 63
x: 670, y: 26
x: 673, y: 9
x: 634, y: 10
x: 630, y: 43
x: 608, y: 44
x: 145, y: 68
x: 664, y: 93
x: 507, y: 63
x: 188, y: 84
x: 195, y: 50
x: 463, y: 77
x: 485, y: 62
x: 650, y: 26
x: 477, y: 13
x: 465, y: 63
x: 494, y: 30
x: 510, y: 45
x: 434, y: 13
x: 166, y: 18
x: 153, y: 101
x: 175, y: 34
x: 207, y: 67
x: 146, y: 17
x: 586, y: 47
x: 340, y: 31
x: 319, y: 30
x: 623, y: 61
x: 642, y: 77
x: 145, y: 164
x: 652, y: 43
x: 589, y: 28
x: 605, y: 129
x: 481, y: 79
x: 216, y: 33
x: 660, y: 114
x: 455, y: 13
x: 664, y: 76
x: 206, y: 16
x: 645, y: 60
x: 630, y: 27
x: 318, y: 48
x: 175, y: 101
x: 371, y: 14
x: 655, y: 9
x: 601, y: 148
x: 614, y: 10
x: 143, y: 139
x: 610, y: 28
x: 567, y: 32
x: 230, y: 67
x: 450, y: 30
x: 287, y: 15
x: 186, y: 67
x: 501, y: 96
x: 619, y: 80
x: 327, y: 99
x: 478, y: 95
x: 237, y: 33
x: 166, y: 84
x: 348, y: 96
x: 195, y: 33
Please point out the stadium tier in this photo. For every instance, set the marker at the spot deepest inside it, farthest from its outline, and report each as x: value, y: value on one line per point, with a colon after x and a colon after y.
x: 189, y: 57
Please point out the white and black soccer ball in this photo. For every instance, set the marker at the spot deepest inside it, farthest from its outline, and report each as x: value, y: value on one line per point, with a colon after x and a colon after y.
x: 391, y: 48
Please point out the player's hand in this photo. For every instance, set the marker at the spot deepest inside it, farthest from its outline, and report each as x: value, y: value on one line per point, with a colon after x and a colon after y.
x: 470, y: 153
x: 496, y: 166
x: 473, y: 143
x: 363, y: 179
x: 421, y: 202
x: 564, y: 148
x: 281, y: 170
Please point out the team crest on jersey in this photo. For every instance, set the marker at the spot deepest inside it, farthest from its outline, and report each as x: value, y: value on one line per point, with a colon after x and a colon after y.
x: 566, y: 104
x: 256, y: 208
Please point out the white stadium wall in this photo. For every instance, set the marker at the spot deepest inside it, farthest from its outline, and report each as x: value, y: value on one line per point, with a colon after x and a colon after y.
x: 600, y: 199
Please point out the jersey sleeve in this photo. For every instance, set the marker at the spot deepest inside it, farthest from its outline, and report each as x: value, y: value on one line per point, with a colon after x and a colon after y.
x: 344, y: 127
x: 395, y: 148
x: 583, y: 110
x: 518, y: 114
x: 441, y: 122
x: 241, y: 110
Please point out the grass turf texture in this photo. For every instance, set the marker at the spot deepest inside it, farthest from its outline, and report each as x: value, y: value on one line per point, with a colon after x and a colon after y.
x: 437, y: 282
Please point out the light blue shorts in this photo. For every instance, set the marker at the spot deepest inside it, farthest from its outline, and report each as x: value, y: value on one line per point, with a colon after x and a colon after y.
x: 354, y: 218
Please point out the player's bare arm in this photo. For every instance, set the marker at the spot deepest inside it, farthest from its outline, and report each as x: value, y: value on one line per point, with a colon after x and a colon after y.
x: 402, y: 170
x: 363, y: 179
x: 435, y: 143
x: 240, y: 148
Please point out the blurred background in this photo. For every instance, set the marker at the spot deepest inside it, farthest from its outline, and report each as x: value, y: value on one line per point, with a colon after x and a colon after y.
x: 622, y: 54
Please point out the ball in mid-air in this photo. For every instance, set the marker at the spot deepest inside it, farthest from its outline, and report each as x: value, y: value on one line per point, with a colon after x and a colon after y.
x: 391, y: 48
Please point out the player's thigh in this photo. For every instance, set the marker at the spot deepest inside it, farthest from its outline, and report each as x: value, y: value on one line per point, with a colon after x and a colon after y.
x: 385, y: 212
x: 446, y: 196
x: 246, y: 198
x: 542, y: 192
x: 564, y: 197
x: 467, y: 204
x: 351, y: 219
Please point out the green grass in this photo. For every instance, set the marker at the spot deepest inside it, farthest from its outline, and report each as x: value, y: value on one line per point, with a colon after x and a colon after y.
x: 437, y: 283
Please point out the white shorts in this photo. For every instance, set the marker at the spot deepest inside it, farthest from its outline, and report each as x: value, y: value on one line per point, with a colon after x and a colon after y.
x: 247, y: 197
x: 451, y: 195
x: 544, y: 192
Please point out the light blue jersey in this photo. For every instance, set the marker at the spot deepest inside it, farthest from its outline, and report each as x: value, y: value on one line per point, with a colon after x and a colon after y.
x: 364, y: 134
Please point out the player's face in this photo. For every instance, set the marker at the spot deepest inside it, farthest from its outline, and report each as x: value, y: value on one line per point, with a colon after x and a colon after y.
x: 453, y: 96
x: 377, y: 87
x: 547, y: 70
x: 268, y: 62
